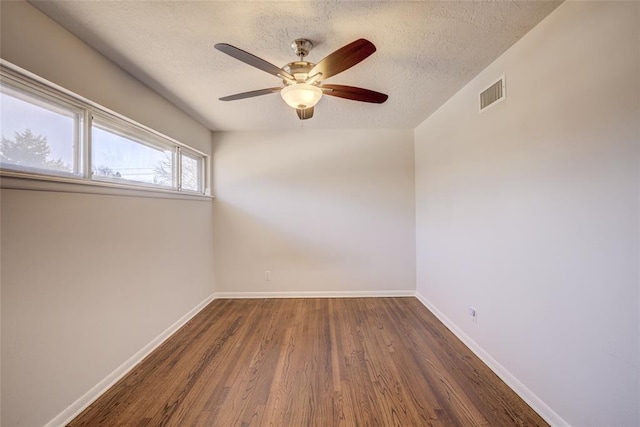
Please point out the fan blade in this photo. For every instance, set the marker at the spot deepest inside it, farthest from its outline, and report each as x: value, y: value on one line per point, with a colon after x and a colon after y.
x: 251, y: 94
x: 305, y: 113
x: 252, y: 60
x: 355, y: 93
x: 343, y: 58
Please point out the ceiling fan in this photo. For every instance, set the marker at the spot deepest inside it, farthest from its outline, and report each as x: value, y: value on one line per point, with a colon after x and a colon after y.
x: 302, y: 80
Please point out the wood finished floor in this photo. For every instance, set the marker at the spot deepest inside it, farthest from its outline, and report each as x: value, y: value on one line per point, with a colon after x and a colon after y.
x: 311, y: 362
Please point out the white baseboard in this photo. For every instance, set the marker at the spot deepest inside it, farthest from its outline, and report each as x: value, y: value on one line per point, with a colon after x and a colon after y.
x: 315, y: 294
x: 73, y: 410
x: 520, y: 389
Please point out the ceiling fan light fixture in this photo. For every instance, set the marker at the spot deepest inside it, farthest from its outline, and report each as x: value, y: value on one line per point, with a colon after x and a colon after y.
x: 301, y: 95
x: 302, y: 79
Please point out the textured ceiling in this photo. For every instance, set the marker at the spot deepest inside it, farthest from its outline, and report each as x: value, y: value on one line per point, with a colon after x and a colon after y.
x: 426, y: 51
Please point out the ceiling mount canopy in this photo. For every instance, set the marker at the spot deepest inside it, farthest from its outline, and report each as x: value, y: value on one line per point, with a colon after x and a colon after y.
x: 301, y: 47
x: 302, y: 80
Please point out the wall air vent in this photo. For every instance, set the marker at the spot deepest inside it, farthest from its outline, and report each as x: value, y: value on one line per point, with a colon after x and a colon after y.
x: 493, y: 94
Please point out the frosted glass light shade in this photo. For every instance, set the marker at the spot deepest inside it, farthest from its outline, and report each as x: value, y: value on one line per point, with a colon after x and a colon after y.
x: 301, y: 95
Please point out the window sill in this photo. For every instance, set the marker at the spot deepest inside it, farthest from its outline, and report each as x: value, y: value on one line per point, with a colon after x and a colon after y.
x: 31, y: 182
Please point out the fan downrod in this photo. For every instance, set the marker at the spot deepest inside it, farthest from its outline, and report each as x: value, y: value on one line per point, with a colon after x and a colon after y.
x: 301, y: 47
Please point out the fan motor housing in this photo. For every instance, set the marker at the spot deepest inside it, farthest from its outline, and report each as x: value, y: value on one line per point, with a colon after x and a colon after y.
x: 299, y: 69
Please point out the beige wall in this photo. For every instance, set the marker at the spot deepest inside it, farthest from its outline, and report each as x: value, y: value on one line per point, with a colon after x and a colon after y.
x: 89, y: 280
x: 529, y: 212
x: 325, y: 211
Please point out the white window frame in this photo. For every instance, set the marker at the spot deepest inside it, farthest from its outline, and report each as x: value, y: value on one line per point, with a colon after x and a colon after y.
x: 27, y: 92
x: 22, y: 81
x: 191, y: 155
x: 138, y: 136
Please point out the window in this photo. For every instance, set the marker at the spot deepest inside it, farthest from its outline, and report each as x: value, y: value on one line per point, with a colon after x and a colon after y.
x: 120, y: 157
x: 191, y: 172
x: 47, y: 132
x: 38, y: 135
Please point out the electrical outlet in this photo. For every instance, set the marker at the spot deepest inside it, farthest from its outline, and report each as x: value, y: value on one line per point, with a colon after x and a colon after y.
x: 267, y: 275
x: 473, y: 313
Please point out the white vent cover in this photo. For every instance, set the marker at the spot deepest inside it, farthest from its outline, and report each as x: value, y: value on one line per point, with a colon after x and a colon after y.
x: 493, y: 94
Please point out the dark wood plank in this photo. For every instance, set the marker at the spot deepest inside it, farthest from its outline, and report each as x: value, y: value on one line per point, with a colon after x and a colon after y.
x: 311, y: 362
x: 343, y: 58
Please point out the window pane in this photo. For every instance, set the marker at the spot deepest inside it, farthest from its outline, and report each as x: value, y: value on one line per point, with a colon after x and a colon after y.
x: 191, y: 173
x: 37, y: 135
x: 117, y: 157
